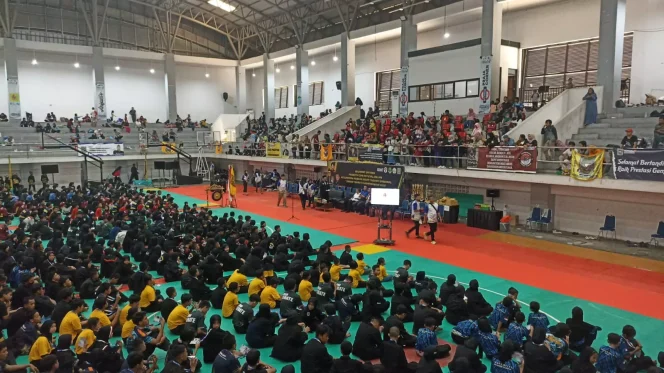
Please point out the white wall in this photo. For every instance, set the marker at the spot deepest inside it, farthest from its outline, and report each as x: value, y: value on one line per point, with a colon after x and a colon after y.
x: 133, y: 85
x: 373, y: 58
x: 647, y: 54
x: 203, y: 97
x: 509, y: 59
x: 54, y: 85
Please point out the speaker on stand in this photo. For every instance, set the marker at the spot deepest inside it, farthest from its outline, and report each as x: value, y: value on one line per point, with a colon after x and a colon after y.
x: 159, y: 166
x: 493, y: 193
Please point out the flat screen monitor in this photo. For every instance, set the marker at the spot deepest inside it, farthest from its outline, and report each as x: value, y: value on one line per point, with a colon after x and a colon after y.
x: 385, y: 197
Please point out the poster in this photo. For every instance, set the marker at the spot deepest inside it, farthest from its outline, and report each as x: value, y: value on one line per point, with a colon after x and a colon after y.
x: 168, y: 148
x: 485, y: 86
x: 358, y: 175
x: 102, y: 150
x: 365, y: 153
x: 505, y: 158
x: 587, y: 167
x: 641, y: 164
x: 219, y: 149
x: 273, y: 150
x: 403, y: 94
x: 100, y: 100
x: 14, y: 98
x: 326, y: 152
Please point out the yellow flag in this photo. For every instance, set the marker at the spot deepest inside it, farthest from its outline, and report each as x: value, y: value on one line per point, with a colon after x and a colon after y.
x: 587, y: 167
x: 326, y: 152
x: 231, y: 181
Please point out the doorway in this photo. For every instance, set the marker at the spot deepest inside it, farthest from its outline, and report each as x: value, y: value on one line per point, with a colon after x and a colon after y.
x: 511, y: 83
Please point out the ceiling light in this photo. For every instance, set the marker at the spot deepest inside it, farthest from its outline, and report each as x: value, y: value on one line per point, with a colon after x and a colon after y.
x: 77, y: 65
x: 313, y: 63
x: 151, y: 71
x: 446, y: 35
x: 34, y: 61
x: 222, y: 5
x: 278, y: 70
x: 292, y: 67
x: 335, y: 58
x: 117, y: 68
x: 253, y: 75
x: 207, y: 75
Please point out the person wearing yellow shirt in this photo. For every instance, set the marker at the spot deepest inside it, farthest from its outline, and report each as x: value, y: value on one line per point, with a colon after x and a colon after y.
x: 128, y: 326
x: 270, y: 295
x: 149, y: 301
x: 335, y: 270
x: 43, y: 345
x: 354, y: 274
x: 178, y: 317
x: 241, y: 280
x: 230, y: 300
x: 257, y: 285
x: 134, y: 299
x: 382, y: 275
x: 98, y: 312
x: 86, y: 338
x: 306, y: 287
x: 362, y: 266
x: 71, y: 324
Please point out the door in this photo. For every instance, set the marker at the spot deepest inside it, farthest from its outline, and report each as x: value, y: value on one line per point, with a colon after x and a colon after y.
x: 511, y: 83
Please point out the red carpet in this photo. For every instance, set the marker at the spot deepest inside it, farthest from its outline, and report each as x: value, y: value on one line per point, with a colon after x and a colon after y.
x: 613, y: 285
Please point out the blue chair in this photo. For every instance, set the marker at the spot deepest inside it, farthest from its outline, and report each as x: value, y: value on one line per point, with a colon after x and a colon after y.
x: 545, y: 220
x: 659, y: 235
x: 609, y: 227
x: 534, y: 219
x: 404, y: 209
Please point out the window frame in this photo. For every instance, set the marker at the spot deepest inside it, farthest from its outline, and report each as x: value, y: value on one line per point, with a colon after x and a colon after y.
x: 380, y: 89
x: 312, y: 93
x: 432, y: 90
x: 278, y: 100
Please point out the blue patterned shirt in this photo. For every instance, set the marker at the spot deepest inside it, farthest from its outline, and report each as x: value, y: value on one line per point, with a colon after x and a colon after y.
x: 517, y: 333
x: 425, y: 338
x: 538, y: 320
x: 465, y: 329
x: 508, y: 366
x: 609, y: 360
x: 489, y: 343
x: 138, y: 333
x: 500, y: 313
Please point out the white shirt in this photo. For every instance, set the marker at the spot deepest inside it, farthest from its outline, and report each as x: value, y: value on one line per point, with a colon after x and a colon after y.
x: 356, y: 197
x: 282, y: 185
x: 303, y: 188
x: 432, y: 212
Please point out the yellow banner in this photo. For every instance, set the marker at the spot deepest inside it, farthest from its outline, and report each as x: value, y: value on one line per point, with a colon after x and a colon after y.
x: 326, y: 152
x: 587, y: 167
x: 273, y: 150
x: 231, y: 181
x: 218, y: 149
x: 167, y: 148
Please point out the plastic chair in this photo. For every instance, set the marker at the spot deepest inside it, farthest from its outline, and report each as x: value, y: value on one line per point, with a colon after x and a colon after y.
x: 609, y: 226
x: 545, y: 220
x: 659, y: 235
x: 534, y: 219
x: 404, y: 209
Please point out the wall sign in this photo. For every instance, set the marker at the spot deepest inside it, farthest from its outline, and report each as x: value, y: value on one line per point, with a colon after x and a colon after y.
x: 403, y: 95
x: 485, y: 85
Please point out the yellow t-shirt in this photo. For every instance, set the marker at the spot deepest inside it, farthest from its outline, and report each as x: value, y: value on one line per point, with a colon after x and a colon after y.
x: 70, y: 324
x: 103, y: 319
x: 270, y: 296
x: 87, y: 338
x: 355, y: 275
x: 268, y: 273
x: 335, y: 272
x: 361, y: 265
x: 147, y: 296
x: 230, y: 302
x: 177, y: 317
x: 383, y: 272
x: 127, y: 328
x: 237, y: 277
x: 123, y: 314
x: 255, y: 286
x: 305, y: 290
x: 41, y: 347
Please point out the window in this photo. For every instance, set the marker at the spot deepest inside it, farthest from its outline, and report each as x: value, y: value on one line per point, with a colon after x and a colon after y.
x: 316, y: 93
x: 295, y: 95
x: 281, y: 97
x: 444, y: 91
x: 386, y: 82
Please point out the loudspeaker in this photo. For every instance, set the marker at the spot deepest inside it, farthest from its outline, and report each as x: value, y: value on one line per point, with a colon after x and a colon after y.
x: 338, y: 85
x: 50, y: 169
x: 172, y: 165
x: 493, y: 193
x: 159, y: 165
x: 318, y: 169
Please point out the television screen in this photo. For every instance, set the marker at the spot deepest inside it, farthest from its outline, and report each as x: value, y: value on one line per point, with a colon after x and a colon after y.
x: 385, y: 197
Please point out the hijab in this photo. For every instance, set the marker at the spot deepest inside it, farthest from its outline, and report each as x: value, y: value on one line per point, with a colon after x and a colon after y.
x: 583, y: 364
x: 477, y: 131
x: 263, y: 311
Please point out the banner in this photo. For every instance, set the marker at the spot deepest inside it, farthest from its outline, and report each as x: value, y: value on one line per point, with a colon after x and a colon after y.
x: 485, y: 86
x: 168, y: 148
x: 273, y: 150
x: 14, y: 98
x: 587, y: 167
x: 403, y: 94
x: 102, y: 150
x: 100, y: 100
x: 326, y: 152
x: 642, y: 164
x: 366, y: 153
x: 505, y: 158
x: 231, y: 181
x: 218, y: 149
x: 357, y: 175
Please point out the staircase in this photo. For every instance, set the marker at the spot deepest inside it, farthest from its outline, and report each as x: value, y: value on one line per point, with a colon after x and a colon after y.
x: 332, y: 123
x: 611, y: 129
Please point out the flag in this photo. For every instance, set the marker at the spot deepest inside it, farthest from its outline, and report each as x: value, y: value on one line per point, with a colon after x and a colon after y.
x: 587, y: 167
x: 231, y: 181
x: 117, y: 172
x: 326, y: 152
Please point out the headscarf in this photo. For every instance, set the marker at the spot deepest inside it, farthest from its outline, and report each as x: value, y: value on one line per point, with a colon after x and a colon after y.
x: 477, y: 132
x: 263, y: 311
x: 583, y: 364
x: 451, y: 280
x: 288, y: 369
x: 64, y: 342
x: 471, y: 114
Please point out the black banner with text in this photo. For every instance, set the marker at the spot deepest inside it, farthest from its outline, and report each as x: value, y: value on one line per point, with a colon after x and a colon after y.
x: 357, y: 175
x: 641, y: 164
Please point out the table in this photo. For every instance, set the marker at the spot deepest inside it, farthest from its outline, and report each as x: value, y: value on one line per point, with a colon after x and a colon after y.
x: 450, y: 214
x: 484, y: 219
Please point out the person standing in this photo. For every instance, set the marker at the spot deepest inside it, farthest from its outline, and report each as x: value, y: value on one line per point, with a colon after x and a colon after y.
x: 134, y: 174
x: 281, y: 188
x: 302, y: 191
x: 549, y: 137
x: 44, y: 180
x: 31, y: 182
x: 416, y: 216
x: 431, y: 217
x: 245, y: 182
x: 591, y: 107
x: 535, y: 99
x: 132, y: 113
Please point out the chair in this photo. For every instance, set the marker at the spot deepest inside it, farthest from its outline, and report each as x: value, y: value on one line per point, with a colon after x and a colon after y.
x: 534, y: 219
x: 404, y: 209
x: 609, y: 226
x: 545, y: 220
x: 659, y: 235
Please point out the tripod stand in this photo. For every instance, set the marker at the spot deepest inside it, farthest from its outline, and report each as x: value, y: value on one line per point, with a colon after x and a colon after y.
x: 293, y: 217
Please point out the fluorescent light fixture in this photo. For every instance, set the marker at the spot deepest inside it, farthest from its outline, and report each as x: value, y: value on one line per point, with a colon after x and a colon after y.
x: 207, y: 75
x: 77, y: 65
x: 222, y: 5
x: 446, y: 35
x: 151, y: 71
x: 117, y: 67
x: 34, y: 61
x: 313, y: 63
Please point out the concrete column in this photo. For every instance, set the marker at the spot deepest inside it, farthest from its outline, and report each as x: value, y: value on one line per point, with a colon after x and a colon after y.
x: 241, y: 89
x: 408, y: 44
x: 611, y: 40
x: 347, y: 70
x: 11, y: 71
x: 492, y: 19
x: 302, y: 69
x: 100, y: 85
x: 268, y: 88
x: 169, y: 80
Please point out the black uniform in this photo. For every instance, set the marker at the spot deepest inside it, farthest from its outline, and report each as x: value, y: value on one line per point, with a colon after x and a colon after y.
x: 291, y: 304
x: 242, y: 315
